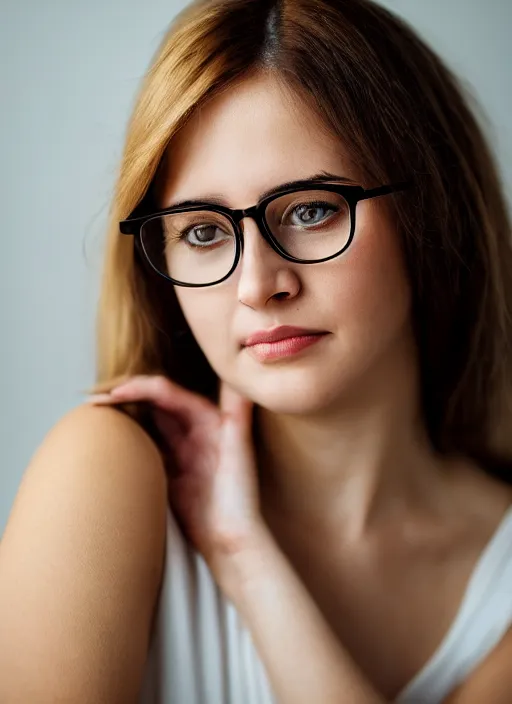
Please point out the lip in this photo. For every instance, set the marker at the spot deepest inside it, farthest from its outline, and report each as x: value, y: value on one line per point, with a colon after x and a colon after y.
x: 287, y: 347
x: 282, y: 332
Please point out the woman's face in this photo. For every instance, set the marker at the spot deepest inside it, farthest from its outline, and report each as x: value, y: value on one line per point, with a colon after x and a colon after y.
x: 251, y: 138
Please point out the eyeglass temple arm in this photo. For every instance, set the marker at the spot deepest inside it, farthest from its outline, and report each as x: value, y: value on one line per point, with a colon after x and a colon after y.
x: 130, y: 227
x: 385, y: 190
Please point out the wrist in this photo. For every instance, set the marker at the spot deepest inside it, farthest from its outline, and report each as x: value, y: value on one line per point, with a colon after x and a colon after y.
x: 241, y: 562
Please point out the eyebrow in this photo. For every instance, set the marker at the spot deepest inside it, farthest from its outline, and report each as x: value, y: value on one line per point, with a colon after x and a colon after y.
x: 320, y: 177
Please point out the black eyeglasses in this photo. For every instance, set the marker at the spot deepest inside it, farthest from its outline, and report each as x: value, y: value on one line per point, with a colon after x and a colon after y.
x: 201, y: 244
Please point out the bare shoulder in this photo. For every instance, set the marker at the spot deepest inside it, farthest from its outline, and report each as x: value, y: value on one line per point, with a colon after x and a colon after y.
x: 81, y: 563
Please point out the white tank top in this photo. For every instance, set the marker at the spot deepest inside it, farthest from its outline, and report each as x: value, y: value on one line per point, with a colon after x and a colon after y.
x: 201, y: 652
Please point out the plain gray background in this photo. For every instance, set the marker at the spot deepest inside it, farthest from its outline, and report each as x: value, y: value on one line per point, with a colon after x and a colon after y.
x: 69, y: 70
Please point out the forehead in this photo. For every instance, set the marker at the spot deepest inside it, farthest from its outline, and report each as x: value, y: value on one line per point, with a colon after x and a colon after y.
x: 252, y: 137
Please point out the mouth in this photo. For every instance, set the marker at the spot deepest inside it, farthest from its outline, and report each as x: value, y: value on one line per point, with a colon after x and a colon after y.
x: 277, y: 334
x: 284, y: 347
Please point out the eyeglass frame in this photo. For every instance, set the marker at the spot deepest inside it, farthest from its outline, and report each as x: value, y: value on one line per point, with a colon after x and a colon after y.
x: 352, y: 193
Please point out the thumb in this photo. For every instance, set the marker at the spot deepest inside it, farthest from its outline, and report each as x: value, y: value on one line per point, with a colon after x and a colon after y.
x: 236, y: 407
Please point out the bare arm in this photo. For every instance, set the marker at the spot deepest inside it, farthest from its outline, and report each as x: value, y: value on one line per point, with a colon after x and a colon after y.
x: 491, y: 681
x: 81, y: 562
x: 304, y: 660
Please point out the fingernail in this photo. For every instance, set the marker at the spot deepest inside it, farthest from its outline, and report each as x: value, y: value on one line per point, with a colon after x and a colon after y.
x: 118, y: 390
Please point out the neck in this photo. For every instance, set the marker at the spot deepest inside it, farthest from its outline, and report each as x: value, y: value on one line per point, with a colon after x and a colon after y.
x: 358, y: 462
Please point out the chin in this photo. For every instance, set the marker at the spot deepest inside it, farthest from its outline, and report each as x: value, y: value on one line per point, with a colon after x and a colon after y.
x: 294, y: 394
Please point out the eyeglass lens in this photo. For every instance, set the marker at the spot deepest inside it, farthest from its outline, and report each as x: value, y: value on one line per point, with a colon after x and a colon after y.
x: 199, y: 246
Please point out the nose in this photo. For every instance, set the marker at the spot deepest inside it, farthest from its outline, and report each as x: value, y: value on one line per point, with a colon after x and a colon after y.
x: 263, y: 275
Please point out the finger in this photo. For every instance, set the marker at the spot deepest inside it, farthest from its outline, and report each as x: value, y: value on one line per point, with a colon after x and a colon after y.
x: 104, y: 392
x: 99, y: 399
x: 162, y: 393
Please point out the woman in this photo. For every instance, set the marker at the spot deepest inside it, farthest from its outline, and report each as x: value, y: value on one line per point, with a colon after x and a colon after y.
x: 315, y: 384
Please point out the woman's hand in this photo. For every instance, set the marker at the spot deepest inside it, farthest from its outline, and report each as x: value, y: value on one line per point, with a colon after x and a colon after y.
x: 213, y: 487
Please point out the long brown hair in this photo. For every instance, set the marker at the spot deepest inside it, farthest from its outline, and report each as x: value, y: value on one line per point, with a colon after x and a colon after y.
x: 400, y: 113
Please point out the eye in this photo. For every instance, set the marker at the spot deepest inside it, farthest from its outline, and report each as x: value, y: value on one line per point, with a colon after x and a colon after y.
x: 204, y: 235
x: 311, y: 213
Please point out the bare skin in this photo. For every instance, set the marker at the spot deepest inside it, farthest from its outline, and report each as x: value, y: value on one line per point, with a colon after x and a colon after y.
x: 391, y: 597
x: 351, y: 528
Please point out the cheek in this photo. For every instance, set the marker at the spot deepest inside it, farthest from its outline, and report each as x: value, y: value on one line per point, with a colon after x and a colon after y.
x: 208, y: 316
x: 379, y: 268
x: 370, y: 288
